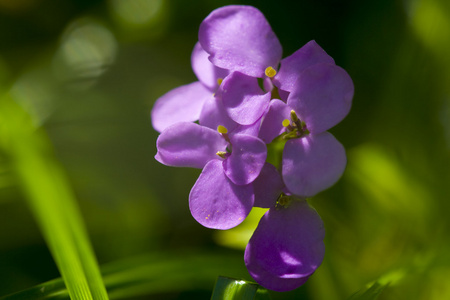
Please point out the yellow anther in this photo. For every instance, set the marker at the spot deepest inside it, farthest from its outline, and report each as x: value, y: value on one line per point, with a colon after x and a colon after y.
x: 219, y: 81
x: 286, y: 123
x: 222, y: 129
x: 294, y: 116
x: 270, y: 72
x: 221, y: 153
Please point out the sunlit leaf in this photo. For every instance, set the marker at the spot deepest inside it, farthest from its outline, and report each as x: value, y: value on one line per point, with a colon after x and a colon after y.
x: 51, y: 200
x: 230, y: 289
x: 172, y: 271
x: 239, y: 236
x: 371, y: 293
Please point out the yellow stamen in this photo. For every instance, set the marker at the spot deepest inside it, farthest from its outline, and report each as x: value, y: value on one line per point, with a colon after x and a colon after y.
x: 294, y: 116
x: 219, y: 81
x: 286, y: 123
x: 222, y: 129
x: 221, y: 153
x: 270, y: 72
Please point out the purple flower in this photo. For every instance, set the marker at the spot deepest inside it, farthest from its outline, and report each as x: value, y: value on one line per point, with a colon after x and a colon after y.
x: 223, y: 195
x: 299, y: 98
x: 185, y: 103
x: 239, y: 39
x: 313, y: 160
x: 287, y: 246
x: 243, y: 99
x: 213, y: 115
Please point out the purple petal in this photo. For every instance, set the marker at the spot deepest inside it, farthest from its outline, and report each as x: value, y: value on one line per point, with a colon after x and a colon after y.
x: 267, y: 186
x: 243, y: 99
x: 286, y: 247
x: 205, y: 71
x: 252, y: 129
x: 283, y: 95
x: 247, y: 158
x: 322, y: 96
x: 291, y: 66
x: 216, y: 202
x: 188, y: 145
x: 239, y: 38
x: 182, y: 104
x: 312, y: 164
x: 272, y: 124
x: 267, y: 84
x: 213, y: 114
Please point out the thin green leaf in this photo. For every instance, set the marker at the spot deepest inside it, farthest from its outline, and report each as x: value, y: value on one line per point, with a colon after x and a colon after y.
x: 229, y: 289
x: 371, y: 293
x: 51, y: 201
x: 151, y: 274
x: 262, y: 294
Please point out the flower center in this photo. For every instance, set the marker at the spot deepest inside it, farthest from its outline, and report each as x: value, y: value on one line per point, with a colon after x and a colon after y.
x: 295, y: 128
x: 224, y: 132
x: 284, y: 201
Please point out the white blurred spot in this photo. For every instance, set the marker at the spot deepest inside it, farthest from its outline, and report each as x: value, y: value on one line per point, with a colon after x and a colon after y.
x: 87, y: 49
x: 36, y: 93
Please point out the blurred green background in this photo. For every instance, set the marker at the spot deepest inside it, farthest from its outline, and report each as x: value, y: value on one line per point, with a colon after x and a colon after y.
x: 88, y: 73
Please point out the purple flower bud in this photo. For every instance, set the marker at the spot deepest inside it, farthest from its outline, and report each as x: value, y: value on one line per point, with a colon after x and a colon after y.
x: 286, y: 247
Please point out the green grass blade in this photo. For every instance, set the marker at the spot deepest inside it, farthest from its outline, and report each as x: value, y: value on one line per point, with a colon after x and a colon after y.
x: 54, y: 289
x: 79, y: 233
x: 371, y: 293
x: 51, y: 201
x: 262, y: 294
x: 231, y: 289
x: 152, y: 274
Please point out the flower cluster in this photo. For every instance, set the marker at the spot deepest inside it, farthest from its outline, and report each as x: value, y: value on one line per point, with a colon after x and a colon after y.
x: 247, y: 97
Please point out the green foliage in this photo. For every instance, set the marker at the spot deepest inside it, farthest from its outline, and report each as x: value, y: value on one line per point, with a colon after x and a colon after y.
x: 370, y: 293
x: 232, y: 289
x: 78, y: 80
x: 154, y: 274
x: 51, y: 201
